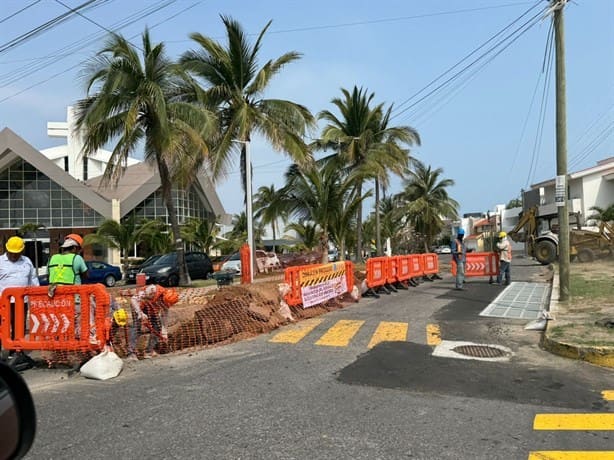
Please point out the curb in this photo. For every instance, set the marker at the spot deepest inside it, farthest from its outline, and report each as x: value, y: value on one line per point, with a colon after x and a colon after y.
x: 600, y: 356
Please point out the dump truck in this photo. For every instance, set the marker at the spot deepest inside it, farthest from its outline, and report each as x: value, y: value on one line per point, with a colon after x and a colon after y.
x: 541, y: 237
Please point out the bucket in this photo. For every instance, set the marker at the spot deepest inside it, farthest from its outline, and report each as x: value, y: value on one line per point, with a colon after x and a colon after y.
x: 141, y: 280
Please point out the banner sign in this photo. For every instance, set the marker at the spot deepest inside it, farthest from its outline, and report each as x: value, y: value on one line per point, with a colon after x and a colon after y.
x: 321, y: 283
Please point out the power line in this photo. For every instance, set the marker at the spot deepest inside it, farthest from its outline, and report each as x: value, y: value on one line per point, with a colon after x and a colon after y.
x: 21, y: 39
x: 169, y: 2
x: 448, y: 70
x: 19, y: 11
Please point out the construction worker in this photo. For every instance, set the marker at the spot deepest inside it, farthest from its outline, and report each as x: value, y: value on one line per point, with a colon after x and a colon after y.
x: 150, y: 309
x: 504, y: 248
x: 16, y: 270
x: 69, y: 268
x: 459, y: 255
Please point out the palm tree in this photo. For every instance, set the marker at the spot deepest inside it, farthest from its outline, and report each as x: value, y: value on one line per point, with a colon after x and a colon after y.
x: 308, y: 232
x: 426, y: 200
x: 132, y: 101
x: 367, y: 144
x: 387, y: 155
x: 235, y: 84
x: 268, y: 207
x: 123, y: 236
x: 155, y: 234
x: 602, y: 214
x: 200, y: 233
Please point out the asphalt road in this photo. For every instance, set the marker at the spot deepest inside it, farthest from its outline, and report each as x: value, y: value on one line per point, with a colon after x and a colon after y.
x: 259, y: 399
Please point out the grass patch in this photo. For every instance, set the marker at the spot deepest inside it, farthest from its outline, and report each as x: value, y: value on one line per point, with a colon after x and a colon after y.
x: 581, y: 286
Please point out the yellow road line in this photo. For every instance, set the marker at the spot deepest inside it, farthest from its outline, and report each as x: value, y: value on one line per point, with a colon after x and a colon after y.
x: 433, y: 334
x: 572, y: 455
x: 389, y: 332
x: 588, y: 422
x: 608, y: 395
x: 294, y: 333
x: 340, y: 334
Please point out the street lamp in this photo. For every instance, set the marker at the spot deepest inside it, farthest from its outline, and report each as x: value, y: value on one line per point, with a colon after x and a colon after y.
x: 248, y: 207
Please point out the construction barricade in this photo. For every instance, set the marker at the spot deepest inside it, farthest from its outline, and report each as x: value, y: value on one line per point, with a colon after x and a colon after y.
x: 314, y: 284
x: 480, y: 264
x: 430, y: 263
x: 377, y: 276
x: 72, y: 320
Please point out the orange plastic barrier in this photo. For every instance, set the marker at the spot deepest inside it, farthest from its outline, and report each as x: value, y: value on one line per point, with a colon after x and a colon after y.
x: 480, y: 264
x: 57, y: 323
x: 403, y: 268
x: 430, y: 264
x: 377, y: 268
x: 416, y: 265
x: 246, y: 267
x: 312, y: 284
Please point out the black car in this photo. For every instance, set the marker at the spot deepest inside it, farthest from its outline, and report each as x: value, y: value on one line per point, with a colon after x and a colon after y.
x: 130, y: 276
x: 165, y: 270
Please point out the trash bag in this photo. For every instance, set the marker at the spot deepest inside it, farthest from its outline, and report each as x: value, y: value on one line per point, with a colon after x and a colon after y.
x: 540, y: 323
x: 103, y: 366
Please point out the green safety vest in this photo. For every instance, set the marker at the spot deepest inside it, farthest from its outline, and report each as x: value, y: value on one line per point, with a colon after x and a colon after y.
x: 61, y: 270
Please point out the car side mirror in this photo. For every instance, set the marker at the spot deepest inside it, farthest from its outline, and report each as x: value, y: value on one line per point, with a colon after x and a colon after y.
x: 17, y: 415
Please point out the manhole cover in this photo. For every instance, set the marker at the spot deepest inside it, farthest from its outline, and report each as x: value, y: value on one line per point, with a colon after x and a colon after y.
x: 479, y: 351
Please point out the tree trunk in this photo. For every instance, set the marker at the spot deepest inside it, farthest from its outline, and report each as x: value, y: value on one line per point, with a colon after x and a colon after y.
x: 378, y: 230
x: 359, y: 227
x: 184, y: 276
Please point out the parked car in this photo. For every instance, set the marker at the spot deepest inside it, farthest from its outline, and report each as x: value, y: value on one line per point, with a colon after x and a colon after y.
x: 97, y: 272
x: 442, y: 250
x: 333, y: 255
x: 233, y: 263
x: 130, y: 276
x: 165, y: 270
x: 266, y: 261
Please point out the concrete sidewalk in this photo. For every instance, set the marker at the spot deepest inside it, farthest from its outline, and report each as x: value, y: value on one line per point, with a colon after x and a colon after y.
x: 568, y: 345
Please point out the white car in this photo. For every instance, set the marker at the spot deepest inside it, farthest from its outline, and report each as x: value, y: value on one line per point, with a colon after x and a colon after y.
x: 443, y: 250
x: 233, y: 263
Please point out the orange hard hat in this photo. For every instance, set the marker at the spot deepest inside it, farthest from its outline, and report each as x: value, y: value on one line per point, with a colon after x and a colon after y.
x: 170, y: 297
x: 74, y: 236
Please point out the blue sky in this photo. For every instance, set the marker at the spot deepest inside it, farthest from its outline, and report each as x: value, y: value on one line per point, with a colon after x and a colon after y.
x: 485, y: 131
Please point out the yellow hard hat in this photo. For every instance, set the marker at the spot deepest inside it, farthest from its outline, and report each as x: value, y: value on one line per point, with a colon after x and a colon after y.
x: 120, y: 316
x: 502, y: 234
x: 15, y: 245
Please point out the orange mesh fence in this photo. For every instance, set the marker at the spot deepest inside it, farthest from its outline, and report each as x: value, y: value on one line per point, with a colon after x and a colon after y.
x: 480, y: 264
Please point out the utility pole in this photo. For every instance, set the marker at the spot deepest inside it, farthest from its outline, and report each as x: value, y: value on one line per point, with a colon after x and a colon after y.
x: 561, y: 150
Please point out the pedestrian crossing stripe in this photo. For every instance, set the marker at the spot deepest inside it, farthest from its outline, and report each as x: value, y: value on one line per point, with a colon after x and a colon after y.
x: 572, y: 455
x: 343, y: 331
x: 296, y: 332
x: 433, y: 334
x: 588, y: 422
x: 389, y: 332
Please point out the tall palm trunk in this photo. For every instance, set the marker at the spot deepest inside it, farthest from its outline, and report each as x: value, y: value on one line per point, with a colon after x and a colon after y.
x: 184, y: 276
x: 359, y: 227
x: 378, y: 230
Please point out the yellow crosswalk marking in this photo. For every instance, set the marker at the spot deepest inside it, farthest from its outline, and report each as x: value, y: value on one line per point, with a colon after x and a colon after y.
x: 572, y: 455
x: 588, y: 422
x: 433, y: 334
x: 389, y: 332
x: 296, y: 332
x: 608, y: 395
x: 340, y: 334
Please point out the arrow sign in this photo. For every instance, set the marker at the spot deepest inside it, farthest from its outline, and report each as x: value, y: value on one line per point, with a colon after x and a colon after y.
x: 56, y: 322
x: 35, y: 323
x: 45, y: 322
x: 65, y: 322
